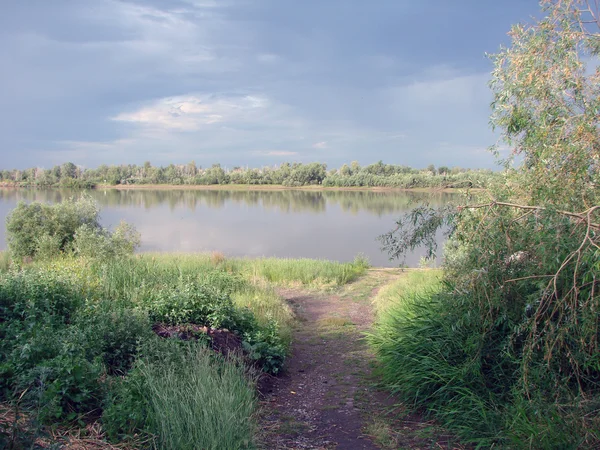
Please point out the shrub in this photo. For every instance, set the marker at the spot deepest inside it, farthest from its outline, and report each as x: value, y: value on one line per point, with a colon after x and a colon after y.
x: 26, y: 225
x: 114, y: 333
x: 126, y: 408
x: 44, y: 231
x: 518, y: 314
x: 56, y: 347
x: 100, y: 243
x: 192, y: 302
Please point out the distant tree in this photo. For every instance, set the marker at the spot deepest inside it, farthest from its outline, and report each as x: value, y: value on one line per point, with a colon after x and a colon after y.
x: 68, y: 170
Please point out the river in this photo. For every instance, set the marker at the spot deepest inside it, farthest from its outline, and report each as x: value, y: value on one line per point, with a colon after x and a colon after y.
x: 334, y: 225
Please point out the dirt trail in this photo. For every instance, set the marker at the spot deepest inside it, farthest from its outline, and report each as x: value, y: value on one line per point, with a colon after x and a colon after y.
x: 326, y: 399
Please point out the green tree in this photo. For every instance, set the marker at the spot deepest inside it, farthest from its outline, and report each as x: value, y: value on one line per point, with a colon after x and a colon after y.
x: 515, y: 324
x: 68, y: 170
x: 547, y: 104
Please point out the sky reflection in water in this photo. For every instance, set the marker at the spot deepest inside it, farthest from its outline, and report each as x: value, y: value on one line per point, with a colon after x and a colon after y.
x: 333, y: 225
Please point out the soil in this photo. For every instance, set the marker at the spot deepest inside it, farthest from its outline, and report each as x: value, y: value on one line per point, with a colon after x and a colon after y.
x: 327, y: 397
x: 221, y: 340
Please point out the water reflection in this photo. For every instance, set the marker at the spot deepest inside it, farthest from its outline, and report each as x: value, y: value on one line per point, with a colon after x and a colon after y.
x: 290, y: 223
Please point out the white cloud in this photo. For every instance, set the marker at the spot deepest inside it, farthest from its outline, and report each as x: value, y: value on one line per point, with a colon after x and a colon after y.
x: 190, y: 113
x: 320, y: 145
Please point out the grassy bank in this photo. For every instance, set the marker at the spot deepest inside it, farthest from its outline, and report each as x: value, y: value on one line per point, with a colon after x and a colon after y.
x: 435, y: 354
x: 77, y: 343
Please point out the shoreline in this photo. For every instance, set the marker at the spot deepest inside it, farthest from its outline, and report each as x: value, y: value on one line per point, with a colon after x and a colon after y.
x: 248, y: 187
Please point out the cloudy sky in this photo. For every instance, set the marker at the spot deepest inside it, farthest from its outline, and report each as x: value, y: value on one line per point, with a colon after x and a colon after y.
x: 249, y: 82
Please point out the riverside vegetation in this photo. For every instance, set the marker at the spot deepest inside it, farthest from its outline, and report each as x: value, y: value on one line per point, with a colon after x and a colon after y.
x: 504, y: 351
x: 286, y: 174
x: 76, y: 332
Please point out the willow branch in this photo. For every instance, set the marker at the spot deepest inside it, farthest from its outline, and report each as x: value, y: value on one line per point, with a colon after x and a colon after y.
x: 584, y: 216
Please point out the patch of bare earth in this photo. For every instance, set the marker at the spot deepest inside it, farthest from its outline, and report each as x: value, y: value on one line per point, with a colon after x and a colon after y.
x: 327, y: 398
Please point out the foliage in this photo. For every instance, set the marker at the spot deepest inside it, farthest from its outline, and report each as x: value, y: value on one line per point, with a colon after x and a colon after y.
x: 265, y: 346
x: 126, y: 408
x: 102, y: 244
x: 507, y: 351
x: 43, y: 231
x: 547, y: 102
x: 192, y: 302
x: 287, y: 174
x: 55, y: 346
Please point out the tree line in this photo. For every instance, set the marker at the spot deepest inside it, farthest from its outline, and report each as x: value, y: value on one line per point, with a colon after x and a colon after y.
x: 286, y: 174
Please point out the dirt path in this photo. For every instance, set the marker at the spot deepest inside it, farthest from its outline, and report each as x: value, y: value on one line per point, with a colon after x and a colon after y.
x: 327, y: 399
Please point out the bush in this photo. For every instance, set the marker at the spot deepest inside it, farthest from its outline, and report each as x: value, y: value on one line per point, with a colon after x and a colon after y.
x: 514, y: 331
x: 114, y: 333
x: 126, y: 408
x: 99, y: 243
x: 192, y: 302
x: 43, y: 231
x: 27, y: 224
x: 56, y: 346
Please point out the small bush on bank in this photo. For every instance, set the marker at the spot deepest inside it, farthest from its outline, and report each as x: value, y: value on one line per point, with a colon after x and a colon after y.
x: 41, y: 231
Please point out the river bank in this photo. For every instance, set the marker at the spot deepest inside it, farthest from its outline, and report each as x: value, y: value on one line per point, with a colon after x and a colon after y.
x: 247, y: 187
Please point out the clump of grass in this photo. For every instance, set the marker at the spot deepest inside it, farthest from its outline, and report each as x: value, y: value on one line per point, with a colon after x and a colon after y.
x: 198, y: 400
x: 425, y: 360
x: 335, y: 322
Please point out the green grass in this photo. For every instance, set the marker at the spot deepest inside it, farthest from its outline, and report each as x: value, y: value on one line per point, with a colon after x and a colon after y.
x: 407, y: 286
x: 186, y: 397
x: 214, y: 411
x: 308, y: 272
x: 425, y: 360
x: 137, y: 280
x: 105, y: 308
x: 273, y: 270
x: 266, y: 305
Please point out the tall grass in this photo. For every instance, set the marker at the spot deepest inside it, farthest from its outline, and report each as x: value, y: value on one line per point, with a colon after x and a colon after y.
x: 4, y: 261
x: 407, y: 286
x: 425, y: 360
x: 436, y: 354
x: 303, y: 271
x: 267, y: 306
x: 138, y: 279
x: 273, y: 270
x: 198, y: 400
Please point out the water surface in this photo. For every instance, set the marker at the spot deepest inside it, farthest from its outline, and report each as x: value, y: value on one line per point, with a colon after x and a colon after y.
x: 333, y: 225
